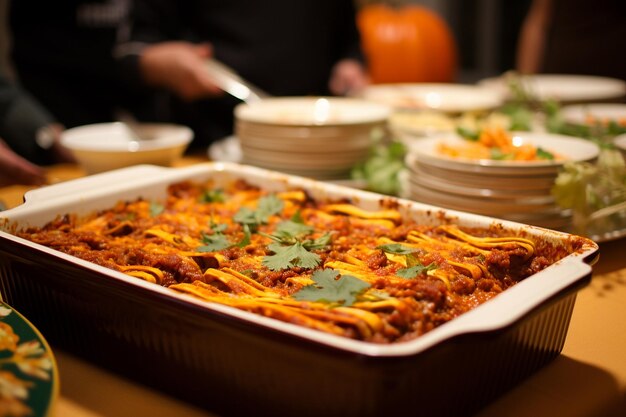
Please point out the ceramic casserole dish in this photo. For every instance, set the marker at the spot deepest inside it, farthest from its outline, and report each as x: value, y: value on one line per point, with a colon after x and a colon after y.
x: 233, y: 362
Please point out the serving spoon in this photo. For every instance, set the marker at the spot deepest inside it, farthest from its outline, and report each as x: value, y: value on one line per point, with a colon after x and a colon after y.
x: 228, y: 80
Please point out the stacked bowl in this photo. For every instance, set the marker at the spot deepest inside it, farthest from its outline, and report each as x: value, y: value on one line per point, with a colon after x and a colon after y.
x: 321, y: 138
x: 512, y: 190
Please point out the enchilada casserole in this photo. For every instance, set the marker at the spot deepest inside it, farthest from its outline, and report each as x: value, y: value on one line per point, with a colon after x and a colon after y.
x: 328, y: 265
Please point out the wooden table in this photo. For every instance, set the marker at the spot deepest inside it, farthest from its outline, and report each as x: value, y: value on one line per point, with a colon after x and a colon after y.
x: 587, y: 379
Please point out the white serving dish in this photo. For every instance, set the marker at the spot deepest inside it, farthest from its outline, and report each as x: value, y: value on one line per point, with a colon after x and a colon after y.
x: 113, y: 319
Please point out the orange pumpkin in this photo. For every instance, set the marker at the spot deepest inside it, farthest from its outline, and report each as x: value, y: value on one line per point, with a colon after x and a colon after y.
x: 409, y: 43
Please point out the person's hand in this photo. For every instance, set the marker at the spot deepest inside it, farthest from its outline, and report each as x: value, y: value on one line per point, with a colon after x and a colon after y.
x: 59, y: 152
x: 179, y: 67
x: 16, y: 170
x: 348, y: 77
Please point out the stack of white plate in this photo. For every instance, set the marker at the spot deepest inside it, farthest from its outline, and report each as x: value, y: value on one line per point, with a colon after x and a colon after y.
x: 322, y: 138
x: 514, y: 190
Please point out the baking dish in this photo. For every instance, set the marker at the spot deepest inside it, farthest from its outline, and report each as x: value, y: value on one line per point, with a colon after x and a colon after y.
x: 233, y: 362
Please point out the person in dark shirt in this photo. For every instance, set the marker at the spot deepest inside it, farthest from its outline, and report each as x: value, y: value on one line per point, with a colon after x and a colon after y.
x: 29, y: 137
x: 574, y: 37
x: 62, y: 55
x: 285, y: 47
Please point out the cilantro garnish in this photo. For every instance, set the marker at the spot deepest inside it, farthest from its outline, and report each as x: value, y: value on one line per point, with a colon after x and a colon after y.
x: 218, y: 241
x: 156, y: 209
x: 415, y: 270
x: 288, y: 231
x: 332, y: 287
x: 245, y: 240
x: 267, y: 206
x: 214, y: 242
x: 286, y: 257
x: 468, y: 134
x: 543, y: 154
x: 497, y: 154
x: 291, y: 249
x: 212, y: 196
x: 414, y: 266
x: 396, y: 249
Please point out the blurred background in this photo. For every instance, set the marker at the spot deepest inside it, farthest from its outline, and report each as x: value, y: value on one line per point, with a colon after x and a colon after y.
x: 486, y: 32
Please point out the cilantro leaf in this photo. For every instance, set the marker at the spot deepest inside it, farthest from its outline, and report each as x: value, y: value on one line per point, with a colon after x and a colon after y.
x: 317, y: 244
x: 331, y: 287
x: 381, y: 170
x: 267, y: 206
x: 218, y: 241
x: 415, y: 270
x: 286, y: 257
x: 245, y: 240
x: 292, y: 230
x: 543, y: 154
x: 414, y: 266
x: 291, y: 249
x: 468, y: 134
x: 396, y: 249
x: 156, y: 209
x: 270, y: 205
x: 212, y: 196
x: 214, y: 242
x: 297, y: 217
x: 246, y: 215
x: 497, y: 154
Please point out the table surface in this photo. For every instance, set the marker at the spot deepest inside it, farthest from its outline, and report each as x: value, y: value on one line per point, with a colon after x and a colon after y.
x: 587, y: 379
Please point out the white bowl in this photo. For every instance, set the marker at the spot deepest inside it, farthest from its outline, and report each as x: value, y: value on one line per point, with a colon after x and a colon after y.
x: 320, y: 137
x: 312, y: 111
x: 105, y: 146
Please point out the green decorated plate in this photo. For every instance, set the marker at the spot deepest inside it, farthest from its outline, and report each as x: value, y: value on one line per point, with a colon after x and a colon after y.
x: 28, y: 375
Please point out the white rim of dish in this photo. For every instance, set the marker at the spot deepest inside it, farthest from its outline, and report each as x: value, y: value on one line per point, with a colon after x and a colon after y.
x: 115, y: 137
x: 564, y: 87
x: 480, y: 180
x: 450, y: 186
x: 312, y: 111
x: 450, y: 98
x: 579, y: 113
x: 571, y: 148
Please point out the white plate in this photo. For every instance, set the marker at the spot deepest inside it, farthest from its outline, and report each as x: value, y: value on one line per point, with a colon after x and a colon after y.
x: 229, y: 150
x: 450, y: 98
x: 563, y: 87
x: 568, y: 147
x: 502, y: 182
x: 449, y: 185
x: 583, y: 114
x: 481, y: 205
